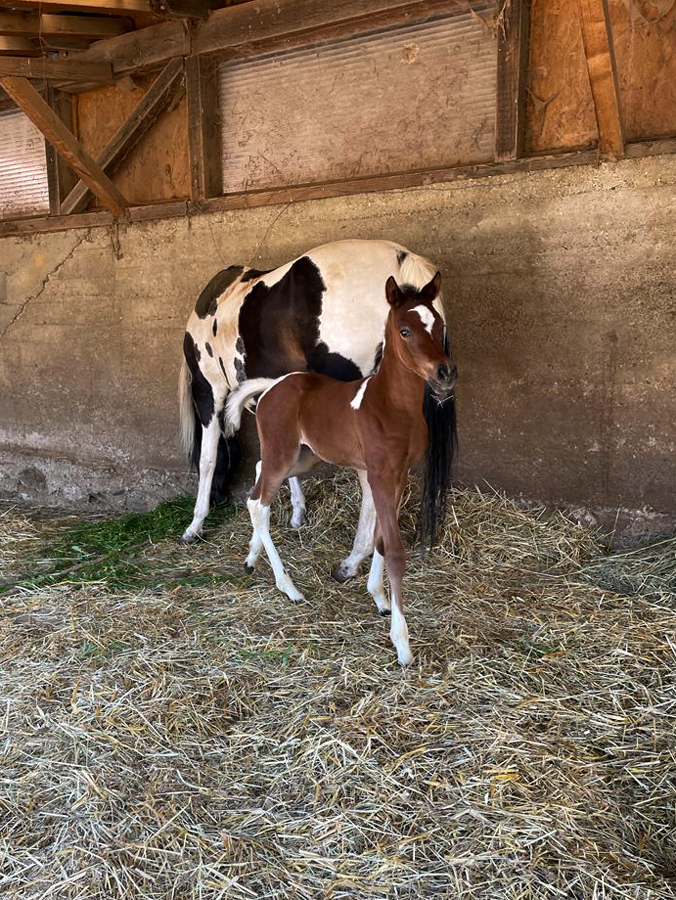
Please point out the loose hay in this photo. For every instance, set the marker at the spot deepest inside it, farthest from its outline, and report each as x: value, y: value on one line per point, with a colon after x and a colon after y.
x: 204, y: 739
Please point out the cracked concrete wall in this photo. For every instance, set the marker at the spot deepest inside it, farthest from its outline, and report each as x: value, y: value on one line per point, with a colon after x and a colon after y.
x: 560, y: 287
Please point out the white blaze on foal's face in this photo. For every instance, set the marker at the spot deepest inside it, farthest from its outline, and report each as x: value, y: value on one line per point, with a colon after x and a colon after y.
x: 426, y: 315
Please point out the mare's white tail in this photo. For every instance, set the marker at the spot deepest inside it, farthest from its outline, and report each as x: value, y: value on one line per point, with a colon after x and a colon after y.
x: 186, y: 410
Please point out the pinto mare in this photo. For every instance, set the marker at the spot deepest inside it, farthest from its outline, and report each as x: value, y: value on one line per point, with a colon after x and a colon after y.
x: 375, y: 425
x: 323, y: 312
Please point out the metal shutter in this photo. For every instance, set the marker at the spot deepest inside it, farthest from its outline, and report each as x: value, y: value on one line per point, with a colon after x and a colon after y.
x: 409, y: 97
x: 23, y: 167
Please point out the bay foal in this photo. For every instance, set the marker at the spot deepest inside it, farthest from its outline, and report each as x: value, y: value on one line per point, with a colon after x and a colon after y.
x: 376, y: 424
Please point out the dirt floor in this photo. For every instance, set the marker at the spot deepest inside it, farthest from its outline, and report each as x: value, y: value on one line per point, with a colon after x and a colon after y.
x: 171, y: 727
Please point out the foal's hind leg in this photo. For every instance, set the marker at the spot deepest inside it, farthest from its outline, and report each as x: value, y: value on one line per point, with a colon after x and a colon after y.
x: 363, y: 541
x: 375, y: 584
x: 263, y: 493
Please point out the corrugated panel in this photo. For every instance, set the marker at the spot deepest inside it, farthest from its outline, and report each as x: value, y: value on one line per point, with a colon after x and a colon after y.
x: 23, y: 167
x: 404, y: 98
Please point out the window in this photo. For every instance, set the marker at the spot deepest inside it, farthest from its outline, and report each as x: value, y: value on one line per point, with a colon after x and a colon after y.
x: 23, y: 167
x: 405, y: 98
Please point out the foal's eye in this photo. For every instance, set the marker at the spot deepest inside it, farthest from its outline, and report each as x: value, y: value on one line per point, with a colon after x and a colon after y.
x: 404, y: 332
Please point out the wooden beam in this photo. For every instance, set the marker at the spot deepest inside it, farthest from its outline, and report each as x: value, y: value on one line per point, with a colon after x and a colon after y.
x: 600, y: 55
x: 111, y: 7
x: 15, y: 46
x: 513, y: 45
x: 181, y: 9
x: 150, y: 107
x: 24, y: 95
x: 282, y: 196
x: 93, y: 28
x: 262, y: 25
x: 60, y: 177
x: 204, y: 137
x: 56, y: 69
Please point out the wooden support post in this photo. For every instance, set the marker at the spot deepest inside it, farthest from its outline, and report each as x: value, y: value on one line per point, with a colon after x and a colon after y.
x: 600, y: 54
x: 25, y: 96
x: 60, y: 177
x: 204, y: 137
x: 150, y: 107
x: 513, y: 44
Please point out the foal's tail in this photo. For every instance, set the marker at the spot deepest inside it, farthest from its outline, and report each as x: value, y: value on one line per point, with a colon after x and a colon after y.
x: 241, y: 398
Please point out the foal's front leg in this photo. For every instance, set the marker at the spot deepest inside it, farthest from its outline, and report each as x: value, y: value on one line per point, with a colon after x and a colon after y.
x: 389, y: 544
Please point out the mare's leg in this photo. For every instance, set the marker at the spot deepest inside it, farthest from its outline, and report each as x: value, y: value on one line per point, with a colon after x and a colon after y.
x: 208, y: 456
x: 268, y: 483
x: 298, y: 503
x: 363, y: 541
x: 386, y: 495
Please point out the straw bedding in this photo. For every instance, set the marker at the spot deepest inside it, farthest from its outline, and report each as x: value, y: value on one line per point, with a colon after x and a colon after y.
x: 198, y: 736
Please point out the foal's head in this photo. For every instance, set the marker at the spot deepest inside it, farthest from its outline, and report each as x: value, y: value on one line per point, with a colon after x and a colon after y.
x: 417, y: 330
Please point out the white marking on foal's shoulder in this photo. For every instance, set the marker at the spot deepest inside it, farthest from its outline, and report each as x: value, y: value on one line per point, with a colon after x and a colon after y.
x: 426, y: 315
x: 355, y: 403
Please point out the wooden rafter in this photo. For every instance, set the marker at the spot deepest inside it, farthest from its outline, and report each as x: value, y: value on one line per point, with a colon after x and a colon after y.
x: 10, y: 45
x: 153, y: 103
x: 61, y: 178
x: 513, y: 43
x: 602, y: 67
x: 56, y: 69
x: 46, y: 25
x: 177, y: 8
x: 62, y: 139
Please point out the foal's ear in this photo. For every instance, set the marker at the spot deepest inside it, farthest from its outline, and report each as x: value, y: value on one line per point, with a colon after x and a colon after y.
x: 432, y: 288
x: 392, y: 292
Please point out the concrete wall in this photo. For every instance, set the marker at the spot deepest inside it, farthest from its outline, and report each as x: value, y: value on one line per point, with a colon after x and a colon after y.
x: 561, y: 290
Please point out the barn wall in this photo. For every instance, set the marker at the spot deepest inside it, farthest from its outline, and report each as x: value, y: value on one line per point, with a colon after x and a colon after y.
x: 561, y: 293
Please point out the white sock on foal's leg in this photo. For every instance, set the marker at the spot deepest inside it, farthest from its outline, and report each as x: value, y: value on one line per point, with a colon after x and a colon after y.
x: 260, y: 519
x: 298, y: 503
x: 399, y: 634
x: 375, y: 584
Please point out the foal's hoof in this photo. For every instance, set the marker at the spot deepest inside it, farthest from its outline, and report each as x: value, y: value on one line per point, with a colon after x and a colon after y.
x: 297, y: 521
x: 248, y: 569
x: 339, y: 574
x: 189, y: 539
x: 384, y: 613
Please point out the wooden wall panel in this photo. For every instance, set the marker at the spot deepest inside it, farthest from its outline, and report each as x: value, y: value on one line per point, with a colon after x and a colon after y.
x: 560, y: 108
x: 645, y: 47
x: 158, y: 168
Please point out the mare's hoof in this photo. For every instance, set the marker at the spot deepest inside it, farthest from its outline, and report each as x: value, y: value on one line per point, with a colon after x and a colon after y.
x: 339, y: 574
x: 384, y: 613
x: 189, y: 539
x: 248, y: 569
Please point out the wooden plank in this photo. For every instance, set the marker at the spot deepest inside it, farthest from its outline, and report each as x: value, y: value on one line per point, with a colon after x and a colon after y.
x: 15, y: 46
x: 260, y: 26
x: 513, y: 44
x: 24, y: 95
x: 111, y: 7
x: 204, y: 139
x: 650, y: 148
x: 55, y: 69
x: 181, y: 9
x: 151, y: 106
x: 600, y: 55
x: 94, y: 28
x: 280, y: 196
x: 60, y: 177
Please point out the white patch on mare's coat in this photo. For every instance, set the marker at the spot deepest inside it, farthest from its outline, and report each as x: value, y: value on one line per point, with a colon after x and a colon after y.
x: 426, y: 315
x: 355, y: 403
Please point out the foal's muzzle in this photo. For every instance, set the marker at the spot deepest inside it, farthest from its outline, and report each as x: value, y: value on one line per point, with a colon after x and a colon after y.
x: 445, y: 380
